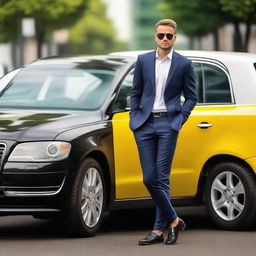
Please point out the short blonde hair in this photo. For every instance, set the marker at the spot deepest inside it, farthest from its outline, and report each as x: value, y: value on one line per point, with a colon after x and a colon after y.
x: 166, y: 22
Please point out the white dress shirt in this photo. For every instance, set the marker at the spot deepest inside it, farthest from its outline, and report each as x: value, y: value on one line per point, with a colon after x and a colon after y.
x: 162, y: 68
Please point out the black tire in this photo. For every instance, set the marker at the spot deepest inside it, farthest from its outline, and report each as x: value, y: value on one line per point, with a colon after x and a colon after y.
x: 230, y: 196
x: 78, y: 223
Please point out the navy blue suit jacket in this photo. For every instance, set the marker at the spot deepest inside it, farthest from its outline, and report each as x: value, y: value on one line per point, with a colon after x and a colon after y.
x: 181, y: 79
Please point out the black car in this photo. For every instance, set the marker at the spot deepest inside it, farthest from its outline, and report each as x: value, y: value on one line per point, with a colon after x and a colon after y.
x: 56, y: 142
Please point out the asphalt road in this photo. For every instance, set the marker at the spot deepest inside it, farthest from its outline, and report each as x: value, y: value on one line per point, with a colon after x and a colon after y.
x: 24, y: 235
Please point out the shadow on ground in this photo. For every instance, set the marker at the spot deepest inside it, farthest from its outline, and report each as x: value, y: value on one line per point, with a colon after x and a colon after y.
x: 24, y: 227
x: 143, y: 219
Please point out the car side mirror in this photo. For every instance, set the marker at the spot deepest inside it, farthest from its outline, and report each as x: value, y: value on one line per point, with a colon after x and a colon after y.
x: 128, y: 103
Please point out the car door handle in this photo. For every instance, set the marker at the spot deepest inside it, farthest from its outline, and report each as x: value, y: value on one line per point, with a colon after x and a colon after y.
x: 204, y: 125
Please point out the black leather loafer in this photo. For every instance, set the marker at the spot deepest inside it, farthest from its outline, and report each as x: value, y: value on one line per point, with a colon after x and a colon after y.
x: 173, y: 233
x: 151, y: 238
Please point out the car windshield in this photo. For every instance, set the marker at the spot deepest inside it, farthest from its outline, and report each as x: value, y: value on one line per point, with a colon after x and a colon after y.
x: 71, y: 87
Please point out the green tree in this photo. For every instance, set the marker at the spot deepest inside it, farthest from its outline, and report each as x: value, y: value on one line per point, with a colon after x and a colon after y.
x: 241, y: 11
x: 196, y: 18
x: 94, y: 32
x: 49, y: 15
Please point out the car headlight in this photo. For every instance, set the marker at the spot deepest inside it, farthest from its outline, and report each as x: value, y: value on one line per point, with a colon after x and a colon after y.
x: 44, y: 151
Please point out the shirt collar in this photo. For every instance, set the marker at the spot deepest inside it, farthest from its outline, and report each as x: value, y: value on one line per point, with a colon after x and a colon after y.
x: 168, y: 56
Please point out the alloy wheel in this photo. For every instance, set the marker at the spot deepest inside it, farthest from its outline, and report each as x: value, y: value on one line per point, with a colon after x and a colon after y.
x: 228, y: 196
x: 92, y: 197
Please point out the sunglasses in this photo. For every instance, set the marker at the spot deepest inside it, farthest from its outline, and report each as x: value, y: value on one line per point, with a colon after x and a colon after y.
x: 160, y: 36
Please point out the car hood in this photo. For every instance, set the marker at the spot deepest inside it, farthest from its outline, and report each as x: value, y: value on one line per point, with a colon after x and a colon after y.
x: 23, y: 125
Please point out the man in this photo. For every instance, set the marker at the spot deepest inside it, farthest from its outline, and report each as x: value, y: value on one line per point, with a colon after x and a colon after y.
x: 156, y: 117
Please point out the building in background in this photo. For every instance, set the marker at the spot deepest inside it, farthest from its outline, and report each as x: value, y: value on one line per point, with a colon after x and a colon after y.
x: 134, y: 22
x: 144, y: 16
x: 120, y: 13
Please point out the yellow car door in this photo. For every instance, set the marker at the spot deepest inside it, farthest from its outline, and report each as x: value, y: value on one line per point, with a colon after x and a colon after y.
x: 194, y: 142
x: 128, y: 175
x: 206, y: 131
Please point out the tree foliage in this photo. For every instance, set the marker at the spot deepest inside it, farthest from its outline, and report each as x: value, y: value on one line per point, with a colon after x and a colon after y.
x: 241, y: 9
x: 48, y: 14
x: 94, y: 32
x: 194, y: 17
x: 200, y: 17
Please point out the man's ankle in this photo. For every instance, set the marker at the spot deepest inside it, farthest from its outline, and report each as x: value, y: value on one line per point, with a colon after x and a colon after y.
x: 158, y: 232
x: 174, y: 223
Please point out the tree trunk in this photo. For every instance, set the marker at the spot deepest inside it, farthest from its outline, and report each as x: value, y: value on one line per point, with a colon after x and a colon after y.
x: 14, y: 55
x: 247, y: 35
x: 40, y: 40
x: 20, y: 61
x: 216, y: 40
x: 237, y: 37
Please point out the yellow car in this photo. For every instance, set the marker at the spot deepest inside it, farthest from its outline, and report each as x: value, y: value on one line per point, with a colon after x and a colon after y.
x: 215, y: 158
x: 66, y: 148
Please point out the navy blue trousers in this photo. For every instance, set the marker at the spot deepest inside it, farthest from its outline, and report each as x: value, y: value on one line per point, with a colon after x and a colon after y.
x: 156, y: 143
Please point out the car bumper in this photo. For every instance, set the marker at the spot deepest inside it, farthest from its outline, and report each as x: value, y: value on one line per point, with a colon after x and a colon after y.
x: 32, y: 179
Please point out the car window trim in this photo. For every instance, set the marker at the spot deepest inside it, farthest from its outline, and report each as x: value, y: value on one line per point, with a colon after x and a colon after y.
x: 118, y: 88
x: 13, y: 74
x: 225, y: 70
x: 106, y: 108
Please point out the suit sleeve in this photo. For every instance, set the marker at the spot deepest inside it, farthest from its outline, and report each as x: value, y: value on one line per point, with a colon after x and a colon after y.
x: 137, y: 88
x: 189, y: 91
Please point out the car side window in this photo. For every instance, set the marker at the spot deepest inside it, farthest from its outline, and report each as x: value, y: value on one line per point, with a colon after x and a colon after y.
x: 123, y: 97
x: 212, y: 84
x: 216, y: 83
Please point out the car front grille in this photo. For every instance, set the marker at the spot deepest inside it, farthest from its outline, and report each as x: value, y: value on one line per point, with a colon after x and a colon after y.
x: 2, y: 153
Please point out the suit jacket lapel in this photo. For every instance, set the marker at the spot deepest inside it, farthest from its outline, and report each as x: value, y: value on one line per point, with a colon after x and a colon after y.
x: 152, y: 70
x: 172, y: 69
